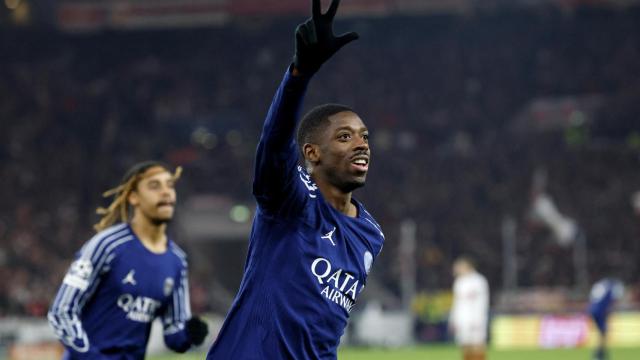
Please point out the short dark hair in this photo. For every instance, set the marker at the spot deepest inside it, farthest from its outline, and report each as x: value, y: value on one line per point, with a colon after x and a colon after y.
x: 315, y: 120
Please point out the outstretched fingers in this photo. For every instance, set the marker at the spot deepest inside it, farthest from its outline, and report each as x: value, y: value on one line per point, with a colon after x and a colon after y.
x: 316, y: 9
x: 344, y: 39
x: 333, y: 8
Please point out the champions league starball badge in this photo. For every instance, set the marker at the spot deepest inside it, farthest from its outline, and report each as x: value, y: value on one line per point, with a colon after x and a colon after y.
x: 168, y: 286
x: 81, y: 268
x: 368, y: 260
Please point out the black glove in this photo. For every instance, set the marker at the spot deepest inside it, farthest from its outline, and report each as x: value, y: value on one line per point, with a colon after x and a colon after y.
x: 197, y: 330
x: 315, y: 42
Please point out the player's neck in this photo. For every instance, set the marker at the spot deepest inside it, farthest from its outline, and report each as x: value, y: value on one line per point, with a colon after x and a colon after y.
x: 153, y: 236
x: 338, y: 200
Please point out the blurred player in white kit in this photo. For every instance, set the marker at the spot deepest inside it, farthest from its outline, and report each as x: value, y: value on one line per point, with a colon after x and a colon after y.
x: 470, y: 310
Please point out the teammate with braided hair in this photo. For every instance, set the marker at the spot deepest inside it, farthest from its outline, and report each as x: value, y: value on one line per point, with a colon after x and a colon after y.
x: 128, y: 274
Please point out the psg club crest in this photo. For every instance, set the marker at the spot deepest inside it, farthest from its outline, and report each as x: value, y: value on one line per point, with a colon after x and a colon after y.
x: 368, y: 260
x: 168, y: 286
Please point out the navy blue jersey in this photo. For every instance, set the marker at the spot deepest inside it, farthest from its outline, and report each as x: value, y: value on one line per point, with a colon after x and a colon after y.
x: 603, y: 295
x: 307, y: 262
x: 113, y: 291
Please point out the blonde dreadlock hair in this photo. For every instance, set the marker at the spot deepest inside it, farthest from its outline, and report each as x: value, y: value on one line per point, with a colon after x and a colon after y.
x: 119, y: 207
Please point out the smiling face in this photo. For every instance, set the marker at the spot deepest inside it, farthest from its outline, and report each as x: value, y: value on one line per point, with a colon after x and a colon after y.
x: 341, y: 155
x: 154, y: 197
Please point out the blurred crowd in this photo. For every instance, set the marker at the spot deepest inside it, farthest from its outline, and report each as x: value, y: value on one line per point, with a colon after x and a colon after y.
x: 439, y: 93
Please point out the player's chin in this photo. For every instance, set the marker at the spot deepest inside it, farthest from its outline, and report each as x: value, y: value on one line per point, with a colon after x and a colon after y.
x: 354, y: 183
x: 162, y: 218
x: 360, y: 178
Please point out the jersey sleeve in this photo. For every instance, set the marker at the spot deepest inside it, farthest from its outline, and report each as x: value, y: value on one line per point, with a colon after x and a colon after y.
x: 277, y: 153
x: 176, y: 314
x: 80, y: 282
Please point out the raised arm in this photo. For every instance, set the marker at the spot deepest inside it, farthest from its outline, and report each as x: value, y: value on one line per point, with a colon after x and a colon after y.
x: 277, y: 153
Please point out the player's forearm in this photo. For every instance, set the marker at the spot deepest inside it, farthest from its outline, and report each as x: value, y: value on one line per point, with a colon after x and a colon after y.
x: 182, y: 330
x: 64, y: 318
x: 69, y: 330
x: 277, y: 149
x: 79, y: 348
x: 281, y: 121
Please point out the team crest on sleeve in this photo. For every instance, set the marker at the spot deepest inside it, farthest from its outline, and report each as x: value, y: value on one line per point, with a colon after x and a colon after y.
x: 79, y: 274
x: 168, y: 286
x: 368, y: 260
x: 308, y: 183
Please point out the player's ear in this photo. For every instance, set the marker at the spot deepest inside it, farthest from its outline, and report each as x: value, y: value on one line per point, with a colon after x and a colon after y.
x: 311, y: 153
x: 133, y: 199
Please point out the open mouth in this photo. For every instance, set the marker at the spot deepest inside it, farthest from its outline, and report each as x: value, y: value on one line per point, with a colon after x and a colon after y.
x: 360, y: 163
x: 165, y: 204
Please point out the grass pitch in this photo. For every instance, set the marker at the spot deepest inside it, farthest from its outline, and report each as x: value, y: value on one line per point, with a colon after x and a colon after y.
x: 450, y: 353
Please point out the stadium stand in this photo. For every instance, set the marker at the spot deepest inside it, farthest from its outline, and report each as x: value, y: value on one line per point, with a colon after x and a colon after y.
x: 441, y: 94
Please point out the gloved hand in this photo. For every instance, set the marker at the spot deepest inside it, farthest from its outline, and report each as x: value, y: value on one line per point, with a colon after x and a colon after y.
x: 315, y: 41
x: 197, y: 330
